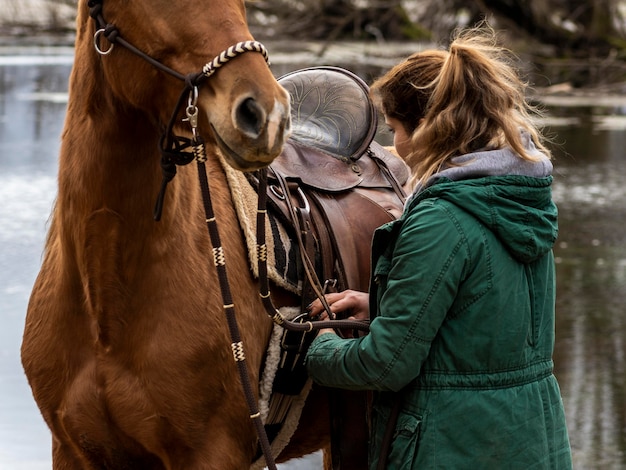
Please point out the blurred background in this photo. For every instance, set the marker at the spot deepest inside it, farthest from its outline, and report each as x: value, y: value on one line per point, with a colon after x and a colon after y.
x: 572, y: 53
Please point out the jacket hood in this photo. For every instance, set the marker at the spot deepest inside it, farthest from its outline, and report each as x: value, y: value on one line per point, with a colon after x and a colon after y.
x: 509, y: 195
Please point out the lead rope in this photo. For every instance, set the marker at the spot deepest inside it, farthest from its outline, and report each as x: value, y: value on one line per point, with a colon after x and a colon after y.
x: 219, y: 259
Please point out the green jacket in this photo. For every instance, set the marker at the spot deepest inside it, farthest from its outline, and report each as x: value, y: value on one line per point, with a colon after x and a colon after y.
x: 462, y: 297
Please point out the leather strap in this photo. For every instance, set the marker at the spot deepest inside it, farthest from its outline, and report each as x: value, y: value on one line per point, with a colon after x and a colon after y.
x: 301, y: 216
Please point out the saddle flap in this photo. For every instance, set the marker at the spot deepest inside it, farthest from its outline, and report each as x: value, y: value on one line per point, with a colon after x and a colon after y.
x: 331, y: 110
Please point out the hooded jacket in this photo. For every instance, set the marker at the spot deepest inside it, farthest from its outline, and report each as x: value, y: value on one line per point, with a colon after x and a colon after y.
x: 462, y: 300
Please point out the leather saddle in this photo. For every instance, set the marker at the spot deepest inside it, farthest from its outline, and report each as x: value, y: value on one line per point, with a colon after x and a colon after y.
x: 333, y: 185
x: 342, y: 184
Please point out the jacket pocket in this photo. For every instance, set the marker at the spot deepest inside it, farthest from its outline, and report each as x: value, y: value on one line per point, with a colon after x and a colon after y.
x: 402, y: 454
x: 403, y: 449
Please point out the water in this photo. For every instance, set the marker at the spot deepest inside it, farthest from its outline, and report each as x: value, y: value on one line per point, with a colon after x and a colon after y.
x: 30, y: 125
x: 590, y: 354
x: 591, y: 254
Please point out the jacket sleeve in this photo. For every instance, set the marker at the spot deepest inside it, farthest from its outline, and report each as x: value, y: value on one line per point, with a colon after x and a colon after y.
x: 418, y: 286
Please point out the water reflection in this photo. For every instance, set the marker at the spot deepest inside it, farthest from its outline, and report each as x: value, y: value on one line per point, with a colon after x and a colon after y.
x: 29, y: 139
x: 591, y: 287
x: 591, y: 257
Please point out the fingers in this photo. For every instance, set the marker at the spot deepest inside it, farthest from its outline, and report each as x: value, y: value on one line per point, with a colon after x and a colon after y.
x: 357, y: 303
x: 317, y: 309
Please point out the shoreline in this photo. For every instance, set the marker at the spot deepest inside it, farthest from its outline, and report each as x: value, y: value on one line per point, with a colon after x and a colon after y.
x: 52, y: 23
x: 29, y: 41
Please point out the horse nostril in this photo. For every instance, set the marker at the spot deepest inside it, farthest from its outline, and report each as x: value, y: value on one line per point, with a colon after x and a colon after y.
x: 250, y: 117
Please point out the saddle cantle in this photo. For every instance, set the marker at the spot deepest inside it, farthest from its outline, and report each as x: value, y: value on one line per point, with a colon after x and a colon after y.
x: 332, y: 186
x: 330, y: 111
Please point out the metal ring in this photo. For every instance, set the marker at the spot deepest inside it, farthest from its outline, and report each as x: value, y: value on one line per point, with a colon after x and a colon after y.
x: 96, y: 40
x: 277, y: 192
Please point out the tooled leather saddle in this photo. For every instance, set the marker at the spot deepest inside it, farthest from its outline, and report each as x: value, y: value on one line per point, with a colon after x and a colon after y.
x: 342, y: 184
x: 334, y: 185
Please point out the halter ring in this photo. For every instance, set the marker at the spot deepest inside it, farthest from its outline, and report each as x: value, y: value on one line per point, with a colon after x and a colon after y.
x: 96, y: 43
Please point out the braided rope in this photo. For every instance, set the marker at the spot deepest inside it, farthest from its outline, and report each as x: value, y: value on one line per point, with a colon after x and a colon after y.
x: 218, y: 255
x: 231, y: 317
x: 199, y: 153
x: 262, y: 252
x: 232, y: 52
x: 238, y: 351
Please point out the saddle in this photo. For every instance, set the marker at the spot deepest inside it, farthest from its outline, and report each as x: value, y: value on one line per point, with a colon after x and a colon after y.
x: 341, y: 184
x: 333, y: 185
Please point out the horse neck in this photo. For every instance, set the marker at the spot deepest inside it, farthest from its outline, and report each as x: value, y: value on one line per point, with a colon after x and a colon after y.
x: 110, y: 162
x: 107, y: 161
x: 110, y: 176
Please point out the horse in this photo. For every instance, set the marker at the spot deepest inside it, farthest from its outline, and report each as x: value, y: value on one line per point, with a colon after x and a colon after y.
x: 126, y: 346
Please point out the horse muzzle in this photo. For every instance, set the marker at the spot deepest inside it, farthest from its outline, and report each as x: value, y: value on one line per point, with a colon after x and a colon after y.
x: 255, y: 133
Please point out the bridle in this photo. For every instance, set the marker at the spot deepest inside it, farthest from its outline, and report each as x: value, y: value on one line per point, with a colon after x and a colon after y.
x: 110, y: 32
x: 175, y: 151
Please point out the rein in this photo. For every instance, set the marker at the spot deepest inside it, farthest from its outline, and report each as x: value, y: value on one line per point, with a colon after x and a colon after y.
x: 175, y: 151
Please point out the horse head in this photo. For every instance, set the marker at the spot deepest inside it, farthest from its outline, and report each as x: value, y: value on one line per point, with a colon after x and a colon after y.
x: 242, y: 108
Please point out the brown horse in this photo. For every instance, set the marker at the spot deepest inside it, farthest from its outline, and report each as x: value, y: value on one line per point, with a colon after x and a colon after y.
x: 126, y: 346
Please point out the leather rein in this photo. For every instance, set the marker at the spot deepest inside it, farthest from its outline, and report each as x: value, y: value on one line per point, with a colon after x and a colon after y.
x: 175, y: 150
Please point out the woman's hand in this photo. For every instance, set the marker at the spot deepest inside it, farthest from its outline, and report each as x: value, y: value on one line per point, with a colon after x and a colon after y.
x: 354, y: 304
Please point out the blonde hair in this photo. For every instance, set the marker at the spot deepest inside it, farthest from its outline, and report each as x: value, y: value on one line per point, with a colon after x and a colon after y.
x: 458, y: 101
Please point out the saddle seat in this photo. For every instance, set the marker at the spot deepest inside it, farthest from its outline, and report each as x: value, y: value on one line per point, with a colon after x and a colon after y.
x: 330, y: 111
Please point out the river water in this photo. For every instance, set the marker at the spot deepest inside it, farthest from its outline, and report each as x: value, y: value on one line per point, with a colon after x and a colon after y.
x: 590, y: 165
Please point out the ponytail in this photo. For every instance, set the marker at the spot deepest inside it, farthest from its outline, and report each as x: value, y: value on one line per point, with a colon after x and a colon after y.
x: 474, y: 100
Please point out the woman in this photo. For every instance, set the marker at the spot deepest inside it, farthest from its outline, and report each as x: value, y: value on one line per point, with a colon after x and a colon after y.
x: 463, y: 285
